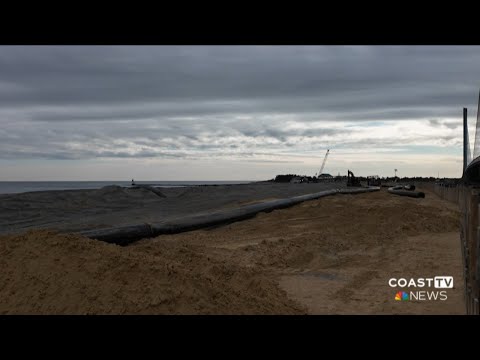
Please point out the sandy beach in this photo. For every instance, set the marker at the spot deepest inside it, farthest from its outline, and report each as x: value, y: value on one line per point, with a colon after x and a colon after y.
x: 328, y: 256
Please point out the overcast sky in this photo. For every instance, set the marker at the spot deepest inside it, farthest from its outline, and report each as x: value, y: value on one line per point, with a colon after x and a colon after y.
x: 233, y: 112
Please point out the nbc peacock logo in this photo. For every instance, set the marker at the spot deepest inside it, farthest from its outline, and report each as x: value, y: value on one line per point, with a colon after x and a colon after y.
x: 401, y: 296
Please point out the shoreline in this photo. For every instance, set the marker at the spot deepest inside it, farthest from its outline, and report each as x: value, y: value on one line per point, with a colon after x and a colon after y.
x: 20, y: 187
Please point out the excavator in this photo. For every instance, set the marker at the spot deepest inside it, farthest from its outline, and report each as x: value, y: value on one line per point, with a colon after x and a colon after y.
x: 352, y: 180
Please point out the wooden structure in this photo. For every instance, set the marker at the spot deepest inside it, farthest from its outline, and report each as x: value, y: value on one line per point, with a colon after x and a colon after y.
x: 467, y: 196
x: 466, y: 193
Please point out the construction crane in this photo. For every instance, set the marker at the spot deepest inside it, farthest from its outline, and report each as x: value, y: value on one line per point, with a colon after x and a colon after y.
x: 323, y: 164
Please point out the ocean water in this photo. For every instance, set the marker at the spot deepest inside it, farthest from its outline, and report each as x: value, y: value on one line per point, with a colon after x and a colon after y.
x: 9, y: 187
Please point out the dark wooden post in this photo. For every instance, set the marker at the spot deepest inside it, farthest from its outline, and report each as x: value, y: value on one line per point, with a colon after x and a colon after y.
x: 465, y: 139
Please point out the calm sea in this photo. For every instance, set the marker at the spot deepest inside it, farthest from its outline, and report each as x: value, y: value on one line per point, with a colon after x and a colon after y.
x: 8, y: 187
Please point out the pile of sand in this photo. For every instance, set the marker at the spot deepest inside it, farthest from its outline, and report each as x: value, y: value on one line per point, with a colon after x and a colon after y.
x: 335, y: 255
x: 318, y: 231
x: 47, y: 273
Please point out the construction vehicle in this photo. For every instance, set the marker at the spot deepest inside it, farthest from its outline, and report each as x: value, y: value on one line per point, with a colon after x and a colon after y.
x: 374, y: 180
x: 352, y: 180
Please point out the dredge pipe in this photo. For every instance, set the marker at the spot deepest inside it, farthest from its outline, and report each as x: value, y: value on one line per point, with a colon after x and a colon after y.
x: 400, y: 190
x: 125, y: 235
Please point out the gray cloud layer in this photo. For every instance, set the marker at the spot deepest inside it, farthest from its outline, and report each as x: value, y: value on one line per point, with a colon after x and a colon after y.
x: 187, y: 102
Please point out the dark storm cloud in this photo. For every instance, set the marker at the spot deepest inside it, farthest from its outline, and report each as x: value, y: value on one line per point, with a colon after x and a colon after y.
x: 78, y: 102
x: 111, y: 75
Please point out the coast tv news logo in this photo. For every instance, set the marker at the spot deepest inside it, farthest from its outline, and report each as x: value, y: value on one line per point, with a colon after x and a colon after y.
x: 437, y: 282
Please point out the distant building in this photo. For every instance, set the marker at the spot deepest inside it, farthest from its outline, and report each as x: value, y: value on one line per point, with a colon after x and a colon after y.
x: 324, y: 177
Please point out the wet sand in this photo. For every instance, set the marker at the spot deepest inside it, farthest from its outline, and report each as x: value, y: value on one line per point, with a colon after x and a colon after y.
x: 328, y: 256
x: 77, y: 210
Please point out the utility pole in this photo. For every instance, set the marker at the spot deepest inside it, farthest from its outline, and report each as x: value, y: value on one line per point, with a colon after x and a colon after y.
x: 395, y: 173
